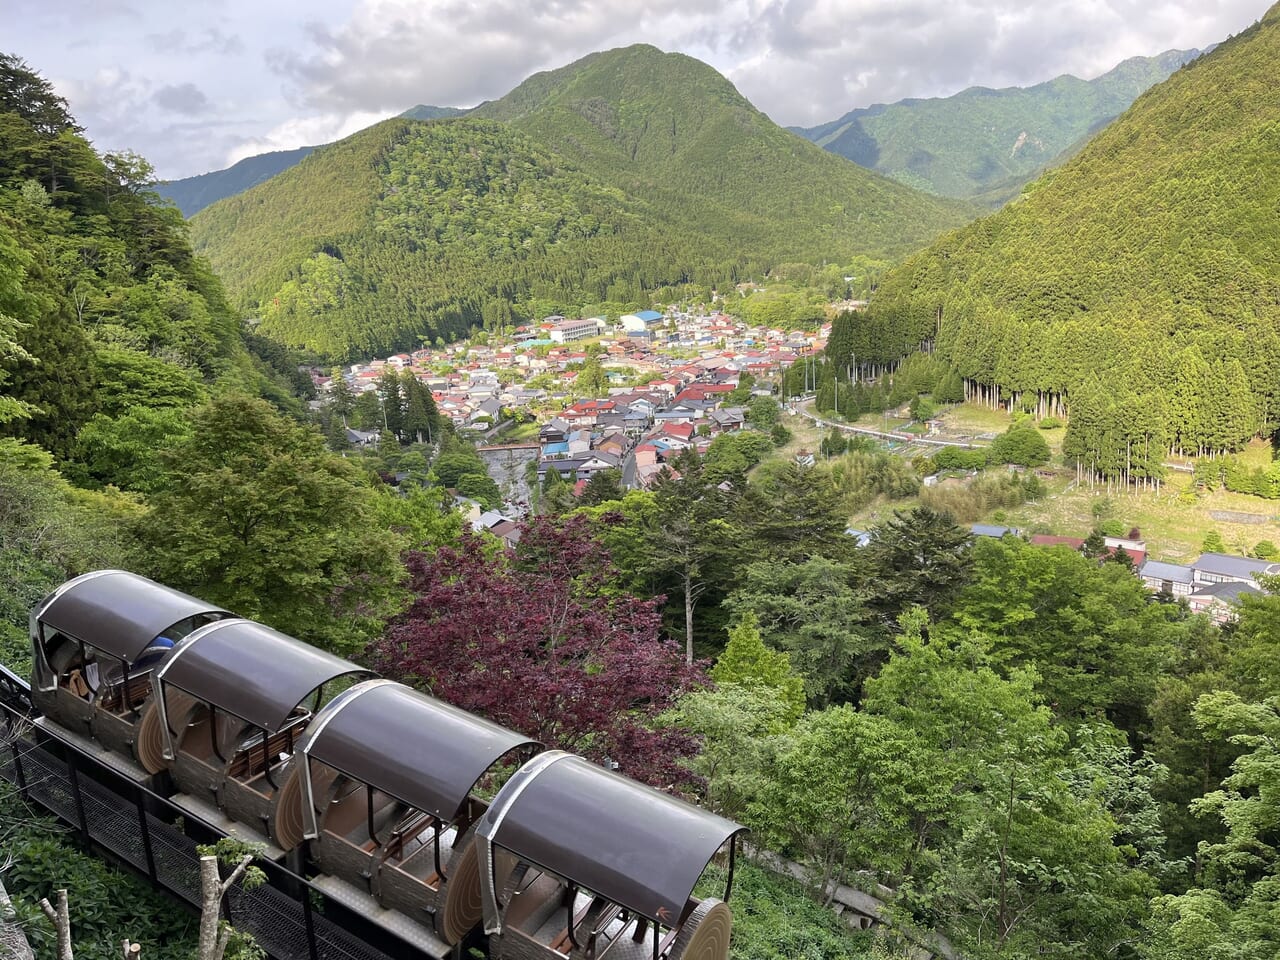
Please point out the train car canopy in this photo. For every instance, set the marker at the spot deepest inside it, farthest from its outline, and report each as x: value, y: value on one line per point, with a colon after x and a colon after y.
x: 419, y: 750
x: 117, y: 612
x: 249, y: 670
x: 640, y: 848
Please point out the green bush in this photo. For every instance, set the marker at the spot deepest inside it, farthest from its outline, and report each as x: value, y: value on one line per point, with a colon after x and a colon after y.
x: 1020, y: 445
x: 1050, y: 423
x: 1112, y: 528
x: 106, y: 905
x: 775, y: 918
x: 960, y: 458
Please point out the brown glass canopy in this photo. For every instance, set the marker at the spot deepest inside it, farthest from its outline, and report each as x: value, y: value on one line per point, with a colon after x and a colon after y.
x: 419, y: 750
x: 249, y: 670
x: 641, y: 849
x: 119, y: 613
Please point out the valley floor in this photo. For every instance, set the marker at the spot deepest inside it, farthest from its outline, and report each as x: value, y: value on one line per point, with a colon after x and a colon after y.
x: 1174, y: 521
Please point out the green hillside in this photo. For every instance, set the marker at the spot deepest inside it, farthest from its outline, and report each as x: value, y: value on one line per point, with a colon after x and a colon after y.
x: 193, y: 194
x: 1140, y: 281
x: 989, y: 142
x: 593, y: 186
x: 669, y: 128
x: 425, y: 111
x: 106, y: 318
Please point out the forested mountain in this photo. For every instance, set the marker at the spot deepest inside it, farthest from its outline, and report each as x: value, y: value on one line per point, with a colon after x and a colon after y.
x: 989, y: 142
x: 425, y: 111
x: 110, y: 312
x: 193, y: 194
x: 668, y: 129
x: 595, y: 185
x: 1137, y: 284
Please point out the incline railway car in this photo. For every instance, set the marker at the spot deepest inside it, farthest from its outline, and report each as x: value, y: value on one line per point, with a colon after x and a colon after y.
x: 381, y: 790
x: 580, y: 862
x: 94, y: 644
x: 386, y: 794
x: 231, y: 702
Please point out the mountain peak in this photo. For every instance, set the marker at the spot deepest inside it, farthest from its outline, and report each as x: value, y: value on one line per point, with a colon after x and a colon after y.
x: 958, y: 146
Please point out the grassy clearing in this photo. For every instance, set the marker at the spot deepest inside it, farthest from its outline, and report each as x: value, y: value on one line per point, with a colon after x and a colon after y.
x: 967, y: 419
x: 519, y: 433
x: 805, y: 435
x: 1173, y: 525
x: 1174, y: 522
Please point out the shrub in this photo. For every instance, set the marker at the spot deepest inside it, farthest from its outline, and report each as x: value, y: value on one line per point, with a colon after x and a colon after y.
x: 1050, y: 423
x: 1020, y: 445
x: 1213, y: 543
x: 959, y: 458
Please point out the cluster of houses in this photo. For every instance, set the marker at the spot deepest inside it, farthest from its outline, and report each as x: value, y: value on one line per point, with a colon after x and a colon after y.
x: 535, y: 371
x: 1212, y: 584
x: 638, y: 431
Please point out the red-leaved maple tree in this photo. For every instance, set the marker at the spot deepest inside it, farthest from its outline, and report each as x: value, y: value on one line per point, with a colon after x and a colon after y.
x: 540, y: 640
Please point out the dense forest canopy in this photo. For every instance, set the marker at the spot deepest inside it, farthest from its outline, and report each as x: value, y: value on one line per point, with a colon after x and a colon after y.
x: 104, y: 299
x: 591, y: 188
x: 1140, y: 283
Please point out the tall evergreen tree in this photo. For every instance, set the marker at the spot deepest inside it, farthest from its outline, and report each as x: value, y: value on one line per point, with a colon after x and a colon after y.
x: 421, y: 416
x: 392, y: 399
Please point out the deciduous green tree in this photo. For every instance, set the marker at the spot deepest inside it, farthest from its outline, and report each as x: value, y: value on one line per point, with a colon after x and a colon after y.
x: 746, y: 661
x: 256, y: 515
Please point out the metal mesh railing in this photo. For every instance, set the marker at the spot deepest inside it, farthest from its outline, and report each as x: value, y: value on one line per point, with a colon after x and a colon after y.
x: 290, y: 918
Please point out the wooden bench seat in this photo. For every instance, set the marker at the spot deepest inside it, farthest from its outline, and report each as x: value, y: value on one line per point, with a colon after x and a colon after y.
x: 249, y: 764
x: 138, y: 688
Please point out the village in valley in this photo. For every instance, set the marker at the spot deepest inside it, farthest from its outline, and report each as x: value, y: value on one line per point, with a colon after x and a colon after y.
x: 666, y: 382
x: 669, y: 382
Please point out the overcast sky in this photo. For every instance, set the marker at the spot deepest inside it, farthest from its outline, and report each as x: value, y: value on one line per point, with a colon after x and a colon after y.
x: 195, y: 85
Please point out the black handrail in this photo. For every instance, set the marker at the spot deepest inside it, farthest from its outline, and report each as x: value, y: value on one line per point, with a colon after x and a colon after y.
x: 151, y: 815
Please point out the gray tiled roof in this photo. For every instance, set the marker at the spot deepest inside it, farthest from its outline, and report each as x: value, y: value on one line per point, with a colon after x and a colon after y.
x: 1225, y: 591
x: 1159, y: 570
x: 1226, y: 565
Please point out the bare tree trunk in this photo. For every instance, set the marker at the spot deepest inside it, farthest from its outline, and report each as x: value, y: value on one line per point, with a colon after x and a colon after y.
x: 688, y: 621
x: 13, y: 941
x: 213, y: 933
x: 210, y: 907
x: 61, y: 920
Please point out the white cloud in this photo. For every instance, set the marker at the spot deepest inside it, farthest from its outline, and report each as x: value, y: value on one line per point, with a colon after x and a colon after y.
x: 801, y: 61
x: 303, y: 132
x: 288, y: 73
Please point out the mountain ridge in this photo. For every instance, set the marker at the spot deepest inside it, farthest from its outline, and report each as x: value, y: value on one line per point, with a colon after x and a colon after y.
x: 193, y: 194
x: 589, y: 186
x: 966, y: 144
x: 1136, y: 285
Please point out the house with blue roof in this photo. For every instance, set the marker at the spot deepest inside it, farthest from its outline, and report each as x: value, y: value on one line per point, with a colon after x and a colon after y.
x: 643, y: 324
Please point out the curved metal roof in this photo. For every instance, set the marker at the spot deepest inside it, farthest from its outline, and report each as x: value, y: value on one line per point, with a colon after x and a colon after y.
x: 120, y: 613
x: 420, y: 750
x: 250, y: 670
x: 638, y: 847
